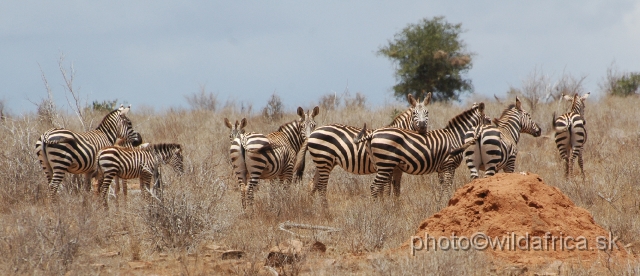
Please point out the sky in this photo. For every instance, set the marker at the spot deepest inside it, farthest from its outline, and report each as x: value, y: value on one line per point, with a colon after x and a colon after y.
x: 154, y: 53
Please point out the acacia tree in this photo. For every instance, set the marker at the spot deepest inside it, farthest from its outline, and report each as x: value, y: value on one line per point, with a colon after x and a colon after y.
x: 430, y: 57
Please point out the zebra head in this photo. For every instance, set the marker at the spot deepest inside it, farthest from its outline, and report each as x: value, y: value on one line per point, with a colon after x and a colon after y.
x: 419, y: 113
x: 526, y: 123
x: 172, y: 155
x: 306, y: 122
x: 117, y: 125
x: 237, y: 129
x: 577, y: 102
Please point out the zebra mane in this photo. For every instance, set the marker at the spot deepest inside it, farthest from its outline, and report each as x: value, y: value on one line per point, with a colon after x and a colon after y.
x: 163, y: 147
x: 402, y: 116
x: 284, y: 126
x: 504, y: 112
x: 106, y: 117
x: 460, y: 117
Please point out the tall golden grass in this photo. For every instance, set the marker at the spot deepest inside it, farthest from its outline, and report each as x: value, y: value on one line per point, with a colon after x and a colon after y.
x: 202, y: 208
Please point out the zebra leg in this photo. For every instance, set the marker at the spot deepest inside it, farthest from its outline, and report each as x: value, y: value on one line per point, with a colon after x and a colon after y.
x: 397, y: 177
x: 581, y: 164
x: 383, y: 177
x: 247, y: 200
x: 54, y: 184
x: 320, y: 179
x: 471, y: 164
x: 107, y: 178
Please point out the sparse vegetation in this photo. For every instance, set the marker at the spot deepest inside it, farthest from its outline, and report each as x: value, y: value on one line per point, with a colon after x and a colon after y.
x: 201, y: 215
x: 621, y: 84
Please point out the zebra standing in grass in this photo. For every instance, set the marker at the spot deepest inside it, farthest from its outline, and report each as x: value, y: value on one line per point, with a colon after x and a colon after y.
x: 571, y: 133
x: 142, y: 163
x: 496, y: 148
x: 275, y: 155
x: 117, y: 181
x: 395, y: 150
x: 237, y: 151
x: 60, y: 150
x: 333, y: 145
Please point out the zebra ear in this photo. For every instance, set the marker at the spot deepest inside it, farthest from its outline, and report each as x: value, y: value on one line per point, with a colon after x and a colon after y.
x: 227, y: 123
x: 121, y: 107
x: 315, y: 112
x: 481, y: 107
x: 301, y: 112
x: 585, y: 96
x: 125, y: 111
x: 243, y: 123
x: 427, y: 99
x: 518, y: 104
x: 567, y: 97
x: 411, y: 100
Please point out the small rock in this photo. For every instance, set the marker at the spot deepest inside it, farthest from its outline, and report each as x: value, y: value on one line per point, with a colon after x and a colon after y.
x: 318, y: 247
x: 232, y: 254
x: 278, y: 259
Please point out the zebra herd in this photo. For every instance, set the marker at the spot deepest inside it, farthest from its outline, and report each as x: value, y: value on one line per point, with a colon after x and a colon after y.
x: 406, y: 145
x: 97, y: 154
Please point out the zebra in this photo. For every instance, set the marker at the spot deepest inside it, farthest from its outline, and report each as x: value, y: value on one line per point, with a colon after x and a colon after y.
x: 395, y: 150
x: 332, y: 145
x: 60, y: 150
x: 117, y: 181
x: 142, y: 163
x: 276, y: 155
x: 571, y: 133
x: 497, y: 148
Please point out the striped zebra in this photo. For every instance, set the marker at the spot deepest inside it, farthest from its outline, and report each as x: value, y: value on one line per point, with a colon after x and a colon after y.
x: 142, y: 163
x: 117, y: 181
x: 277, y: 155
x: 60, y: 150
x: 395, y: 150
x: 571, y: 133
x: 332, y: 145
x: 497, y: 147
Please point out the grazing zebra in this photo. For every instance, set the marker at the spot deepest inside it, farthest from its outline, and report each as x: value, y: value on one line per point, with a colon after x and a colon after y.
x: 61, y: 150
x: 395, y: 150
x: 142, y: 163
x: 497, y: 147
x: 275, y: 155
x: 571, y: 133
x: 332, y: 145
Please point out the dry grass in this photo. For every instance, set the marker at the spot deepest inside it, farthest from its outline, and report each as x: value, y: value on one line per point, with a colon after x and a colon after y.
x: 202, y: 207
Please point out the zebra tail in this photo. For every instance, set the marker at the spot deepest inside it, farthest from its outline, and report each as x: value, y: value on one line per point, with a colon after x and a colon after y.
x: 476, y: 138
x: 298, y: 167
x: 362, y: 136
x: 45, y: 157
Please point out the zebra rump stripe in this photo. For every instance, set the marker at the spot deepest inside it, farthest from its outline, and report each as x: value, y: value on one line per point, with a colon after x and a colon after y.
x: 496, y: 146
x: 395, y: 151
x: 142, y: 163
x: 571, y: 133
x: 60, y: 150
x: 275, y: 155
x: 332, y: 145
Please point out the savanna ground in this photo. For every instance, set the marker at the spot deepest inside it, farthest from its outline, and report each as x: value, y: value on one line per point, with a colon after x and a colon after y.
x: 201, y: 215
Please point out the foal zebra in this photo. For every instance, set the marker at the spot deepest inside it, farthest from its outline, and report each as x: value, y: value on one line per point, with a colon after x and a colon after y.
x: 142, y: 163
x: 117, y: 181
x: 275, y: 155
x: 395, y: 150
x: 496, y: 148
x: 333, y: 145
x: 61, y: 150
x: 571, y: 133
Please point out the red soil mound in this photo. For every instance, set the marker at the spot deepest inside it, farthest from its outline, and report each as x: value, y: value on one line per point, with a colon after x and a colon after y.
x: 506, y: 208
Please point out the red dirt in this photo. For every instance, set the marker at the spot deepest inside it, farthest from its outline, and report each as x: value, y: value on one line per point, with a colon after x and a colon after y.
x: 512, y: 205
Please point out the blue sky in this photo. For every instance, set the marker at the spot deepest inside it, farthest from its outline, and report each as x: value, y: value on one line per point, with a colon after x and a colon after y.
x: 154, y: 53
